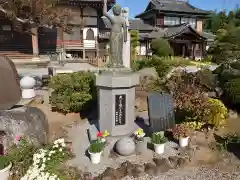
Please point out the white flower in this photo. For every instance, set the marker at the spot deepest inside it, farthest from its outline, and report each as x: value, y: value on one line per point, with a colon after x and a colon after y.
x: 103, y: 140
x: 60, y: 149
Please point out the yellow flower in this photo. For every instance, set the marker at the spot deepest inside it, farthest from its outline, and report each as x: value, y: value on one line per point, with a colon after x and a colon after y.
x: 140, y: 131
x: 106, y: 133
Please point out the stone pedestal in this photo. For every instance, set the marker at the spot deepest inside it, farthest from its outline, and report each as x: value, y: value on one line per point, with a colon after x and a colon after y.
x: 116, y: 92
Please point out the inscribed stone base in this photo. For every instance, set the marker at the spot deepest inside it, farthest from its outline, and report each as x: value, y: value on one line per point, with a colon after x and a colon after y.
x: 117, y: 102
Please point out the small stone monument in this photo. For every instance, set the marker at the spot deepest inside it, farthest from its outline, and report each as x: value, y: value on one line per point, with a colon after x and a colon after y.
x: 10, y: 92
x: 161, y: 111
x: 27, y: 84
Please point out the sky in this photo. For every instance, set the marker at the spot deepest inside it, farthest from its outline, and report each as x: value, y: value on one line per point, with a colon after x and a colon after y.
x: 138, y: 6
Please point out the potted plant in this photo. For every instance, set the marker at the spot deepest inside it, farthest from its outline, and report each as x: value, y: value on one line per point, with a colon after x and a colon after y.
x: 141, y: 145
x: 97, y: 146
x: 5, y: 166
x: 158, y: 140
x: 181, y: 133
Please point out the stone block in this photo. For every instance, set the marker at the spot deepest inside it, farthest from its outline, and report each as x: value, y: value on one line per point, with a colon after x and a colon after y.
x: 92, y: 133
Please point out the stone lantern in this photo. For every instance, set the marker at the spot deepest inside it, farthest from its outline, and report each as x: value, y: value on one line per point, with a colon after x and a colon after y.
x: 27, y: 84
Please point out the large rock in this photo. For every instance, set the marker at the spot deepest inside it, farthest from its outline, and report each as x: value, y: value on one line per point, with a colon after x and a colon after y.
x: 10, y: 92
x: 149, y: 72
x: 29, y: 122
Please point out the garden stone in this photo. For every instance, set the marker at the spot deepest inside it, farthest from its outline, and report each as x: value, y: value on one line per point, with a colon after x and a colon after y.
x: 29, y: 122
x: 125, y: 146
x: 10, y: 92
x: 92, y: 133
x: 163, y: 164
x: 233, y: 114
x: 151, y: 169
x: 182, y: 162
x: 148, y: 72
x: 173, y: 161
x: 138, y: 170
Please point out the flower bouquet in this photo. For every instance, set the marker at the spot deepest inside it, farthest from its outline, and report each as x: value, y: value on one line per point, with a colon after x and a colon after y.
x: 181, y: 133
x: 139, y: 135
x: 97, y: 146
x: 158, y: 140
x: 141, y: 145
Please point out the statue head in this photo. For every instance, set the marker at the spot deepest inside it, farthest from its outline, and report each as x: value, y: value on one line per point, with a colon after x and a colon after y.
x: 117, y: 10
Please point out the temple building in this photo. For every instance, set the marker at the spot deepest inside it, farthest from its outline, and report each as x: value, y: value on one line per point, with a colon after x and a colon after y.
x: 175, y: 20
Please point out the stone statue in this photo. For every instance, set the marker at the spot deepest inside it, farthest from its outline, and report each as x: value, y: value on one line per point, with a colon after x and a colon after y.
x: 118, y: 35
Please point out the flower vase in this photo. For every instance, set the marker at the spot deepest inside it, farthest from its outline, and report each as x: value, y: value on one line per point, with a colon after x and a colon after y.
x: 141, y: 146
x: 5, y: 173
x: 95, y: 157
x: 159, y: 148
x: 183, y: 141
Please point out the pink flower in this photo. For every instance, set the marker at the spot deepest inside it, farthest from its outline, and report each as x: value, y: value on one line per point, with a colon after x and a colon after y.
x: 18, y: 138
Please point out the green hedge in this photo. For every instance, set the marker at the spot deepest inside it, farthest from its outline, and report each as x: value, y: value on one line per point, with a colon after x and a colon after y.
x: 158, y: 63
x: 161, y: 47
x: 72, y: 92
x: 232, y: 91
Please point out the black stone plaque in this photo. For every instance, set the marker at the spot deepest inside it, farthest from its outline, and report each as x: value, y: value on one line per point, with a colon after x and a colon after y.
x: 161, y: 111
x: 120, y: 109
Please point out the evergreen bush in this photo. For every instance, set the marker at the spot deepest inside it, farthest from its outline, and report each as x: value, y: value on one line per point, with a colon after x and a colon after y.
x: 161, y: 47
x: 72, y: 92
x: 232, y: 91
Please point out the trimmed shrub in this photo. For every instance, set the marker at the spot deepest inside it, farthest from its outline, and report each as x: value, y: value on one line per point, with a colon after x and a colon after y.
x: 177, y: 61
x: 188, y: 95
x: 162, y: 68
x: 161, y: 47
x: 232, y: 91
x: 236, y: 65
x: 217, y: 112
x: 140, y: 64
x: 72, y: 92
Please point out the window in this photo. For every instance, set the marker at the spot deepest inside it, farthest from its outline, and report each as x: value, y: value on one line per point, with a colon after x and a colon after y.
x: 6, y: 28
x: 89, y: 11
x: 190, y: 21
x: 90, y: 35
x: 170, y: 21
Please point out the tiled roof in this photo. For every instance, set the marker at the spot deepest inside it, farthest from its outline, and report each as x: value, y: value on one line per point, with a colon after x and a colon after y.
x: 209, y: 36
x: 176, y: 5
x: 169, y: 32
x: 149, y: 32
x: 180, y: 6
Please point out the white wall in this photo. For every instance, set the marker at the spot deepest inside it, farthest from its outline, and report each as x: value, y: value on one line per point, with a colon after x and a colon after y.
x: 142, y: 49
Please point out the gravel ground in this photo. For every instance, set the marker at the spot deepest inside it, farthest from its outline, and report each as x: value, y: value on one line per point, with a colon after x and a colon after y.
x: 201, y: 173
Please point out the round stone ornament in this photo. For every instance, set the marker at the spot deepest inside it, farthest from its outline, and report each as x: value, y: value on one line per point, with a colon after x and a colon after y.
x: 27, y: 82
x: 125, y: 146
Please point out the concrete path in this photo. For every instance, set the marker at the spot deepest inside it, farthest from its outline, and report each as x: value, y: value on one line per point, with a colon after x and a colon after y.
x: 75, y: 67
